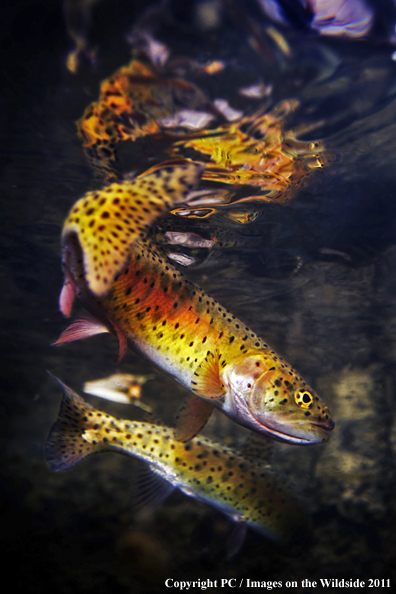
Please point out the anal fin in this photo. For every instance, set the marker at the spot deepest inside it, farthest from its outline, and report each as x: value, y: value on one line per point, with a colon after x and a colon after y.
x: 192, y: 417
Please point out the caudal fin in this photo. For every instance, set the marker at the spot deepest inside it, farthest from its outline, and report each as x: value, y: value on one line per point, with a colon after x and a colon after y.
x: 70, y: 440
x: 108, y: 222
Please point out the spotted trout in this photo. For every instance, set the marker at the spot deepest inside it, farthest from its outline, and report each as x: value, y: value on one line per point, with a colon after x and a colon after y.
x: 239, y: 485
x: 156, y: 310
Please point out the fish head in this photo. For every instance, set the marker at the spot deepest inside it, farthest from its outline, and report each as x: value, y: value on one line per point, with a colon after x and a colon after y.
x: 271, y: 398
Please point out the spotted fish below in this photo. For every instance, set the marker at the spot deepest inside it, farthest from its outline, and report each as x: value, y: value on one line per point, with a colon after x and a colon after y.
x: 240, y: 485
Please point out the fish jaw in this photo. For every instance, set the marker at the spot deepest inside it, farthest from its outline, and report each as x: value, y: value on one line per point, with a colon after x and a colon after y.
x: 295, y: 432
x: 269, y: 401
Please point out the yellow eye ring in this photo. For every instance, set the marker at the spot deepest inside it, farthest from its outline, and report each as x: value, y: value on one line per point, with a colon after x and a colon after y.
x: 303, y: 398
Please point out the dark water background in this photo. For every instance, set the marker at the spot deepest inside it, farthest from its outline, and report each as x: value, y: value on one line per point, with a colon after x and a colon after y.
x: 319, y: 284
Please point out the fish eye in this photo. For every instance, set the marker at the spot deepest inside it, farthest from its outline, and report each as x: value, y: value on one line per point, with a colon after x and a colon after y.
x: 303, y: 398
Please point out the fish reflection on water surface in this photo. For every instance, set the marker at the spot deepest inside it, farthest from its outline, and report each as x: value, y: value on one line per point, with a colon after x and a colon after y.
x: 240, y: 485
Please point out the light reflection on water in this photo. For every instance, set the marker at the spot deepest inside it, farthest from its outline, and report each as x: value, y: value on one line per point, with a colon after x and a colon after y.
x: 315, y: 277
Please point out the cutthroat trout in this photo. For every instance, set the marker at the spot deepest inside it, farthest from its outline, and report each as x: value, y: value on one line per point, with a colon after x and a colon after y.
x: 239, y: 485
x: 154, y: 309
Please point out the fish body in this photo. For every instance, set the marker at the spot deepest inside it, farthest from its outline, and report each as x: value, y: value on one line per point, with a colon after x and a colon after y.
x: 244, y: 488
x: 155, y: 310
x: 129, y: 287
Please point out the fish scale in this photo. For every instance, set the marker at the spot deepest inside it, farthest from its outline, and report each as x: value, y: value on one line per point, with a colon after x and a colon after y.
x: 243, y: 488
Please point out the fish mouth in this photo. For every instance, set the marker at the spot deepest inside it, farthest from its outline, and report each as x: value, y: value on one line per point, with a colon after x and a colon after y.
x: 319, y: 435
x: 321, y: 431
x: 296, y: 433
x: 326, y: 426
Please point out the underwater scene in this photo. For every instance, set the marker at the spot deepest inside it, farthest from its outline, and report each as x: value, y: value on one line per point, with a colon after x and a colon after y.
x: 199, y: 276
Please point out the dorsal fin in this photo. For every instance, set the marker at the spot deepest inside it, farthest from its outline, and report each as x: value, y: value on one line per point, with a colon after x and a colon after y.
x: 206, y: 380
x: 191, y: 418
x: 108, y: 222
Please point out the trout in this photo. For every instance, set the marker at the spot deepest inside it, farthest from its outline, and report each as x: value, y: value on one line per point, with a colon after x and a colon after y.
x: 157, y: 311
x: 240, y: 485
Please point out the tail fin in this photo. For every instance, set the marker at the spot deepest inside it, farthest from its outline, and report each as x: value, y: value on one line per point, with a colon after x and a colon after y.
x: 113, y: 219
x: 66, y: 444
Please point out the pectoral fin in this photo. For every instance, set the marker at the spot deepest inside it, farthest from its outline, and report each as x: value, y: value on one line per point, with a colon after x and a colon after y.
x: 191, y: 418
x: 206, y: 381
